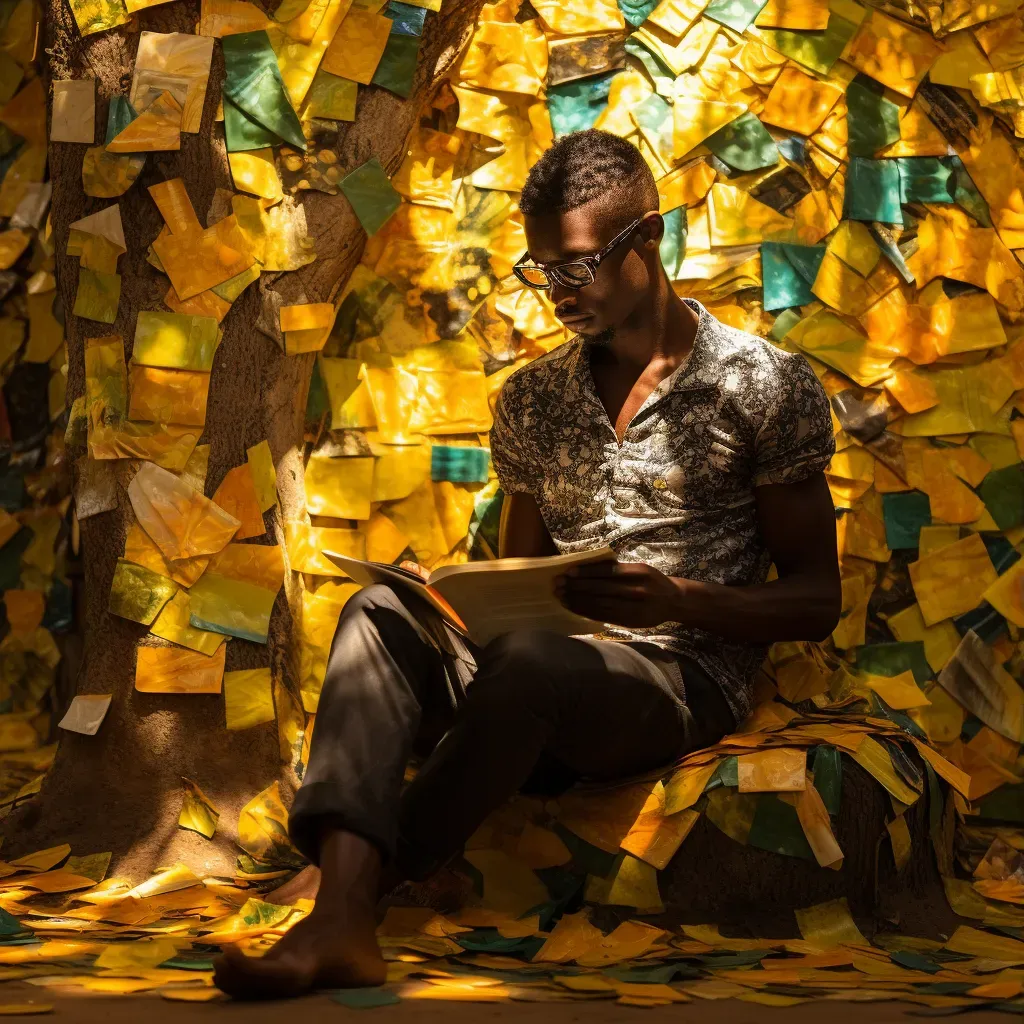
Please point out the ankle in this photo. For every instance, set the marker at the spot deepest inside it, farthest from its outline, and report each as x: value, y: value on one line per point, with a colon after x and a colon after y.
x: 350, y: 868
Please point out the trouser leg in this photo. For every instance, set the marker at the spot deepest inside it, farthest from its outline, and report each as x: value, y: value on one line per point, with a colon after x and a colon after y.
x: 605, y: 710
x: 388, y: 681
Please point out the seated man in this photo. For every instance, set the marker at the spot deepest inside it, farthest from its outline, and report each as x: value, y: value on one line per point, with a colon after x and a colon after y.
x: 694, y: 450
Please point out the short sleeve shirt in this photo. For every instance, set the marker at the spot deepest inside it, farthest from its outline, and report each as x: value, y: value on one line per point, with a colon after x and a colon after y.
x: 678, y: 491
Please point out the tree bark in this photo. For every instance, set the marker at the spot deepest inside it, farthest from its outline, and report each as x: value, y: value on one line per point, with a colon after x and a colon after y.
x: 121, y: 789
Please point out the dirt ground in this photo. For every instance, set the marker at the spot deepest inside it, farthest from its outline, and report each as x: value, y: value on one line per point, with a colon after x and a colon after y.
x: 314, y: 1009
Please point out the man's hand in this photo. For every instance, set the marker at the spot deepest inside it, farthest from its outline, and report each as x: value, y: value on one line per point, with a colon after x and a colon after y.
x: 620, y: 593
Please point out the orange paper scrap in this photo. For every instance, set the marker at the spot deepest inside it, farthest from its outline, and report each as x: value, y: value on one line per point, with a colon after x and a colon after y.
x: 179, y: 670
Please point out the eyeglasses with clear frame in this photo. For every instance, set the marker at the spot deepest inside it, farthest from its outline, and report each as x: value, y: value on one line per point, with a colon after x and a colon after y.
x: 575, y: 274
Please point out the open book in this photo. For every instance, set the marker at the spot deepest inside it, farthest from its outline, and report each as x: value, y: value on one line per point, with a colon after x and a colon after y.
x: 489, y: 598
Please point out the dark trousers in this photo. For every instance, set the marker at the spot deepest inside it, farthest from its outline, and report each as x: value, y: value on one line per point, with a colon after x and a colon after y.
x: 529, y: 708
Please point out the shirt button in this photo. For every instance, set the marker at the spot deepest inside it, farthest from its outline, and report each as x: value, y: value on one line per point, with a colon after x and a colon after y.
x: 659, y: 483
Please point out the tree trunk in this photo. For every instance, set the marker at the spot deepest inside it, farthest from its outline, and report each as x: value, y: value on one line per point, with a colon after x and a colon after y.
x: 121, y: 789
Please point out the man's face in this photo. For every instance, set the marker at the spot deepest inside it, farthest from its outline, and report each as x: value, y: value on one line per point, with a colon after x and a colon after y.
x: 621, y: 280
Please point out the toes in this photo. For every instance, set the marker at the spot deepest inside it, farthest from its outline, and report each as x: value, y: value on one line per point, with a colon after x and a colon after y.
x: 247, y: 977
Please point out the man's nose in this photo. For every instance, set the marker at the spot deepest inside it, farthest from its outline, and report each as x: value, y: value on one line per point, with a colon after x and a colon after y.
x: 559, y: 293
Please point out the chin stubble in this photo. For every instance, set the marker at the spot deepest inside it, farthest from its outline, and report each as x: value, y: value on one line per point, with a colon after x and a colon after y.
x: 601, y: 339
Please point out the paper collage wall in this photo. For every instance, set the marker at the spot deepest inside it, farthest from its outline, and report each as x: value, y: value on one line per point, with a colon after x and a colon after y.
x: 843, y: 178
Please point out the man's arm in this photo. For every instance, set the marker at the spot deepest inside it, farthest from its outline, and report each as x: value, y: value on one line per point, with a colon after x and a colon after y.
x: 521, y: 531
x: 797, y: 522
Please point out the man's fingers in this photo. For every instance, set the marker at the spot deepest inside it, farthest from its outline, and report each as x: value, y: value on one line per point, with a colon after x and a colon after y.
x: 604, y: 588
x: 594, y: 569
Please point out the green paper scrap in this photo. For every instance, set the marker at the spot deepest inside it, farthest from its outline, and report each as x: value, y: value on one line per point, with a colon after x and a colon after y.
x: 784, y: 323
x: 175, y: 341
x: 138, y: 593
x: 806, y: 258
x: 777, y: 828
x: 817, y: 51
x: 371, y: 194
x: 914, y: 961
x: 873, y: 122
x: 895, y: 658
x: 365, y: 998
x: 783, y: 285
x: 459, y: 463
x: 10, y: 925
x: 827, y: 769
x: 967, y: 195
x: 653, y: 117
x: 926, y: 179
x: 98, y: 295
x: 1002, y: 491
x: 585, y: 856
x: 397, y: 66
x: 242, y: 133
x: 673, y: 242
x: 406, y: 20
x: 253, y: 83
x: 726, y: 774
x: 738, y: 15
x: 660, y: 74
x: 744, y: 144
x: 318, y: 400
x: 120, y: 114
x: 332, y: 97
x: 1006, y: 804
x: 905, y: 514
x: 636, y: 12
x: 873, y: 191
x: 576, y: 105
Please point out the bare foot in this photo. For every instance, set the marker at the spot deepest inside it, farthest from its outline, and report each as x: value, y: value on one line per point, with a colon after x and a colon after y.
x: 321, y: 951
x: 334, y: 947
x: 302, y: 886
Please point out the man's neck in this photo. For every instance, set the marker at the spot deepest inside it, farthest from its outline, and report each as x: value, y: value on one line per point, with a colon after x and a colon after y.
x: 660, y: 332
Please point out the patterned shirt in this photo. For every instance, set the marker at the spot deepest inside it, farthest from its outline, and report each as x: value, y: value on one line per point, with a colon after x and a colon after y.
x: 678, y: 492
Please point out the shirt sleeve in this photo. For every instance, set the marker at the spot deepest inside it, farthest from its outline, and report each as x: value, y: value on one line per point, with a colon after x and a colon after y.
x: 518, y: 472
x: 795, y: 439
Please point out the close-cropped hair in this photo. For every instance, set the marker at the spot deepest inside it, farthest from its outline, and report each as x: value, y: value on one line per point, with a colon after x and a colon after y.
x: 585, y: 166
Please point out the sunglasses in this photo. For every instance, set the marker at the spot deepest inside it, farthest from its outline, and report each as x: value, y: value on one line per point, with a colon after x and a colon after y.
x: 576, y: 274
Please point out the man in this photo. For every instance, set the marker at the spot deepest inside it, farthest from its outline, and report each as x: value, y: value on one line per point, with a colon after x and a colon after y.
x: 696, y: 451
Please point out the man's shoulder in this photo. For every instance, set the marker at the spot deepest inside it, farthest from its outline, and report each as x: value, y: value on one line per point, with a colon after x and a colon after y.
x: 545, y: 373
x: 741, y: 360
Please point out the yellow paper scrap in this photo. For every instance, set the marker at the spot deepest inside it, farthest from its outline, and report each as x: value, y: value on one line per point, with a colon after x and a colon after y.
x: 85, y: 714
x: 248, y: 698
x: 158, y: 128
x: 952, y: 580
x: 176, y: 670
x: 182, y: 522
x: 197, y: 811
x: 178, y: 62
x: 256, y: 173
x: 357, y: 46
x: 766, y: 771
x: 830, y: 924
x: 173, y: 624
x: 138, y: 593
x: 264, y: 475
x: 73, y: 116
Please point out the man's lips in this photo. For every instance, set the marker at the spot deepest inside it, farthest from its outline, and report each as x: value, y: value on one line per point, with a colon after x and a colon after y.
x: 573, y: 318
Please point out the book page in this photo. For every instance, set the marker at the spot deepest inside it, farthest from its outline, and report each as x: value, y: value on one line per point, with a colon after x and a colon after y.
x: 368, y: 573
x: 496, y: 602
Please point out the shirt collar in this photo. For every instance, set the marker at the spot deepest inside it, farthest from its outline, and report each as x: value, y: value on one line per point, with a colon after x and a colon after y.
x: 697, y: 370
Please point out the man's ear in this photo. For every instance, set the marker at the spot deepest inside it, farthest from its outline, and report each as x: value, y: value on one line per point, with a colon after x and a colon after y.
x: 652, y: 230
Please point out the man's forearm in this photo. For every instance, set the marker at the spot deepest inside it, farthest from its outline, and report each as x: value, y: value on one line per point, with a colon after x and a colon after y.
x: 793, y: 608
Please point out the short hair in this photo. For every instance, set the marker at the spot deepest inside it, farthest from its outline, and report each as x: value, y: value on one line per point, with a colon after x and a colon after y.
x: 588, y: 165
